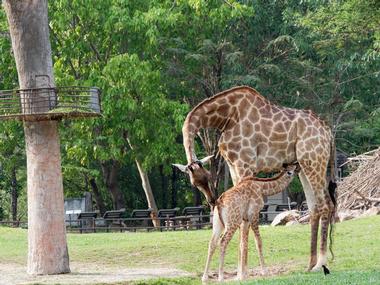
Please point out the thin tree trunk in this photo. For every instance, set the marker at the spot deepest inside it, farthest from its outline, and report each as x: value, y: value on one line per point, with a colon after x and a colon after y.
x: 174, y: 188
x: 209, y: 139
x: 148, y: 193
x: 98, y: 197
x: 14, y: 196
x: 47, y: 246
x: 226, y: 176
x: 147, y: 188
x: 110, y: 173
x: 164, y: 187
x: 197, y: 196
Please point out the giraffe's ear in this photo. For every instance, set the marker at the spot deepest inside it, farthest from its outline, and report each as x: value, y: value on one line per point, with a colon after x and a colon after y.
x: 206, y: 159
x: 181, y: 167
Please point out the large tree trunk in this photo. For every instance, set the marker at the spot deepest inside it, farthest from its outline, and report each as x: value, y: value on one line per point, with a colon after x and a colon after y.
x: 98, y: 197
x: 47, y: 246
x: 14, y: 197
x: 110, y: 171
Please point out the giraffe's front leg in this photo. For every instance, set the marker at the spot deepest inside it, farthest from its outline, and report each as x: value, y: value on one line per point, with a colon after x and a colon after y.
x: 258, y: 242
x: 217, y: 229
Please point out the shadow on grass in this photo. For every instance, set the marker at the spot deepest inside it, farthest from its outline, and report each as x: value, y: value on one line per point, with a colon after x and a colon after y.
x: 336, y: 278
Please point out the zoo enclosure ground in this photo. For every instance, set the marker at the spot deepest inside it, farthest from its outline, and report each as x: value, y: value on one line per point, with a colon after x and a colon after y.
x: 356, y: 247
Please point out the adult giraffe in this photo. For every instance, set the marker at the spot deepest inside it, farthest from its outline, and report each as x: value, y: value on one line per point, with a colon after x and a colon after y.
x: 258, y: 136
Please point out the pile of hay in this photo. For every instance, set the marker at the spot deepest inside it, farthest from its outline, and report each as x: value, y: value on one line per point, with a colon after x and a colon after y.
x: 361, y: 190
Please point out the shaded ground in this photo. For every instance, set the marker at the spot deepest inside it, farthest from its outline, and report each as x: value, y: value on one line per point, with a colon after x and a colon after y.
x: 85, y: 274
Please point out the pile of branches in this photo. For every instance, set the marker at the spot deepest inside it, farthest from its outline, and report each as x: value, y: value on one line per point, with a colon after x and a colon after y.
x: 361, y: 190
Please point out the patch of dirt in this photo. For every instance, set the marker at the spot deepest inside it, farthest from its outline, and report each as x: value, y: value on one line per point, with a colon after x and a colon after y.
x: 85, y: 273
x: 254, y: 273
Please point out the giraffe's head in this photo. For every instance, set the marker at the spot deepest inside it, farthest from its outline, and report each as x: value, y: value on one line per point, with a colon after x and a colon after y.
x: 200, y: 177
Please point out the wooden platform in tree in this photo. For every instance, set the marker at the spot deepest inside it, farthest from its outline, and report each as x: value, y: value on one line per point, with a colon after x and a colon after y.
x: 39, y: 104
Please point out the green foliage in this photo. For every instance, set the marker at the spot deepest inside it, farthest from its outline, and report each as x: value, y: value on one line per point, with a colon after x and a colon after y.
x: 344, y: 38
x: 134, y: 104
x: 347, y: 25
x: 8, y: 74
x: 12, y: 159
x: 154, y: 60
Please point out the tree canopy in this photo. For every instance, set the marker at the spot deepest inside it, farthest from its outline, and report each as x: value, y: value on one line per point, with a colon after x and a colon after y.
x: 154, y: 60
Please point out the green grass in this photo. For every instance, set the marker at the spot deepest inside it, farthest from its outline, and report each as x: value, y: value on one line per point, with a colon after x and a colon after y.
x: 356, y: 247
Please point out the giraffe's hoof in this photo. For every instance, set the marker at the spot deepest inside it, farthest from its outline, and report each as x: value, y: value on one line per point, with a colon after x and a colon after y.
x: 316, y: 268
x: 264, y: 271
x: 241, y: 276
x: 312, y: 263
x: 311, y: 267
x: 220, y: 278
x: 204, y: 278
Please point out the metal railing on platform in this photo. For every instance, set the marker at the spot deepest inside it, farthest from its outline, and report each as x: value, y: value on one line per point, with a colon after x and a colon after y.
x: 50, y: 103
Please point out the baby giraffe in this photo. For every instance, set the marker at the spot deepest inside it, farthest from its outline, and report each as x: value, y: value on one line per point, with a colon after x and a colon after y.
x: 238, y: 207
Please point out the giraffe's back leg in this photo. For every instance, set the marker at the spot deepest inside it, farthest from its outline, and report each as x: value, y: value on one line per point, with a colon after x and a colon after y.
x: 229, y: 231
x: 322, y: 259
x: 314, y: 219
x: 327, y: 213
x: 244, y: 233
x: 314, y: 184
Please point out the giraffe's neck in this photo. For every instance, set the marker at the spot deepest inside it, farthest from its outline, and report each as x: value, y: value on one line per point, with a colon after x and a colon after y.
x: 222, y: 111
x: 212, y: 113
x: 273, y: 186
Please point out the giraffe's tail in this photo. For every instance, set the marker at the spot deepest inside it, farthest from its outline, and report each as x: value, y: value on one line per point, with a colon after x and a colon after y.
x: 332, y: 187
x: 333, y: 195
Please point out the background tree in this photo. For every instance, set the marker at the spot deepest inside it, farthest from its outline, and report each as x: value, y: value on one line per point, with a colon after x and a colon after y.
x: 12, y: 163
x: 319, y: 55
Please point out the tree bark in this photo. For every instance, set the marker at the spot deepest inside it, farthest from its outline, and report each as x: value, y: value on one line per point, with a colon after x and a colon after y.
x: 148, y: 193
x: 164, y: 187
x: 14, y: 196
x: 147, y: 188
x: 98, y: 197
x: 110, y: 173
x: 174, y: 188
x: 47, y: 246
x: 197, y: 196
x: 226, y: 176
